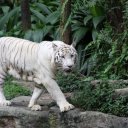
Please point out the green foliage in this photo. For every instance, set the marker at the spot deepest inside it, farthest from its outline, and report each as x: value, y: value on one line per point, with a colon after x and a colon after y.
x: 86, y: 60
x: 101, y: 98
x: 45, y: 21
x: 9, y: 22
x: 12, y: 90
x: 110, y: 51
x: 107, y: 56
x: 68, y: 82
x: 87, y: 20
x: 87, y: 17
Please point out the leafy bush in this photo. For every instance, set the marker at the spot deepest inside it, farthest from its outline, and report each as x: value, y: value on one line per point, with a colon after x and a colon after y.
x: 69, y: 82
x: 44, y: 21
x: 9, y: 22
x: 109, y: 50
x: 106, y: 54
x: 110, y: 53
x: 87, y: 20
x: 101, y: 98
x: 87, y: 17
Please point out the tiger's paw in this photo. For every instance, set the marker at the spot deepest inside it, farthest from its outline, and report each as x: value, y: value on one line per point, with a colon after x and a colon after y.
x: 5, y: 103
x: 35, y: 107
x: 66, y: 107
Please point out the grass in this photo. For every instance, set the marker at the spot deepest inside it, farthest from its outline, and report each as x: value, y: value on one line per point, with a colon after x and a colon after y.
x: 12, y: 90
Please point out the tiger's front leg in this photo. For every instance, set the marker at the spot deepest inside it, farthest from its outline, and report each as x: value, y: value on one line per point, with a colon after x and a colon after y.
x: 3, y: 101
x: 32, y: 104
x: 53, y: 88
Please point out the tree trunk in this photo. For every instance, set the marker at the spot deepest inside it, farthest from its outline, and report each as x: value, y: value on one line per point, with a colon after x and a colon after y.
x: 25, y: 15
x: 65, y: 34
x: 115, y: 14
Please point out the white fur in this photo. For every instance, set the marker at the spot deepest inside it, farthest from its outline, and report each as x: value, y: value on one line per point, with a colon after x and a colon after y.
x: 40, y: 61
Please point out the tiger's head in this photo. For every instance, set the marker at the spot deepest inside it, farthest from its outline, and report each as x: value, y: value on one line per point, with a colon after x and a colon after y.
x: 65, y: 57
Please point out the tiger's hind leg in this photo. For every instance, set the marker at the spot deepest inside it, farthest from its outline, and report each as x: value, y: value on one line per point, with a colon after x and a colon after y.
x: 3, y: 101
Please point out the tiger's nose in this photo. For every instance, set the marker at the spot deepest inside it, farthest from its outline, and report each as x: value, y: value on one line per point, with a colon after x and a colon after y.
x: 69, y: 66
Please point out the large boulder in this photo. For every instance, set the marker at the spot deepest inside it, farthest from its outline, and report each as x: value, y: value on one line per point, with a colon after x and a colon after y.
x: 19, y: 116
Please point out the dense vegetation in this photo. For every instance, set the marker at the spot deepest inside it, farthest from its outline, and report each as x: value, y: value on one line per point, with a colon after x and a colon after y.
x: 95, y: 97
x: 100, y: 32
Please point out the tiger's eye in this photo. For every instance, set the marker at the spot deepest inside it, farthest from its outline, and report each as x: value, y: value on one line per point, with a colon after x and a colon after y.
x: 62, y: 57
x: 72, y: 55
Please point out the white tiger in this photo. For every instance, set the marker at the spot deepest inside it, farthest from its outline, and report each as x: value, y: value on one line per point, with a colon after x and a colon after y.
x: 36, y: 62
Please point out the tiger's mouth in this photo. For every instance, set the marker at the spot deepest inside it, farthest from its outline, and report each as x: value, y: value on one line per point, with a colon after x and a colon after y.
x: 67, y: 70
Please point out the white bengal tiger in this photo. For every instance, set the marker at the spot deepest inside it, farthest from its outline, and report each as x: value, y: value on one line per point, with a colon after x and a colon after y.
x: 31, y: 61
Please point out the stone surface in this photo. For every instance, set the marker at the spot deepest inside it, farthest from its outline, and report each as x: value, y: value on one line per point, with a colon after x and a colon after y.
x: 20, y: 116
x: 89, y: 119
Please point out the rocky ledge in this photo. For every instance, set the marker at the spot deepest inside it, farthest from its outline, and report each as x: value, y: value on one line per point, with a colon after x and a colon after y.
x: 19, y: 116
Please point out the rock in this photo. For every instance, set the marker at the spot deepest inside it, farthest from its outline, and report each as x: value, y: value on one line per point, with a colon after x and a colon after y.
x: 95, y: 82
x: 20, y: 116
x: 45, y: 100
x: 122, y: 92
x: 90, y: 119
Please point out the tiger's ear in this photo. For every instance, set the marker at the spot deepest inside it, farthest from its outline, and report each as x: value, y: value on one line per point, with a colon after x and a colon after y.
x: 54, y: 47
x: 73, y: 44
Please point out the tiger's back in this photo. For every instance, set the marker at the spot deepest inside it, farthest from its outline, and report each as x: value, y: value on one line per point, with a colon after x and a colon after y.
x: 17, y: 53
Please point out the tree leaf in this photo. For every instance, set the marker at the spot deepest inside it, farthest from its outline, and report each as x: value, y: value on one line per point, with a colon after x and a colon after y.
x: 46, y: 30
x: 39, y: 15
x: 75, y: 27
x: 108, y: 68
x: 28, y: 35
x: 53, y: 17
x: 5, y: 9
x: 94, y: 34
x: 79, y: 34
x: 37, y: 35
x: 96, y: 10
x: 86, y: 19
x: 97, y: 20
x: 44, y: 8
x: 7, y: 16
